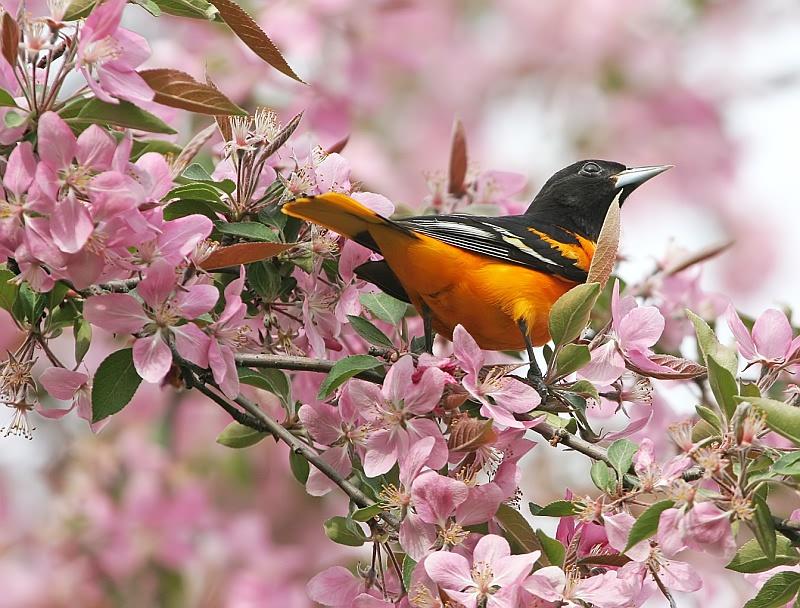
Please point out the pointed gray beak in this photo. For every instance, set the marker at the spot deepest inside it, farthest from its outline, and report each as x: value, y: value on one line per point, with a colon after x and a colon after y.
x: 637, y: 175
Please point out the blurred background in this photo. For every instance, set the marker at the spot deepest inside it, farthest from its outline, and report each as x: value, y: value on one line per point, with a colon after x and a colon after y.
x: 151, y: 512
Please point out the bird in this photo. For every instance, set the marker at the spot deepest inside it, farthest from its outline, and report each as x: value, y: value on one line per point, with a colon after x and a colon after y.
x: 498, y: 277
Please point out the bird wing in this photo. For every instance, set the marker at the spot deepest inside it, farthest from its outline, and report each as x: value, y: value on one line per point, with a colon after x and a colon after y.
x: 515, y: 239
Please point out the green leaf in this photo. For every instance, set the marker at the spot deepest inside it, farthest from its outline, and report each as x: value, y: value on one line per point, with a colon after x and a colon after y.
x: 553, y: 550
x: 6, y: 100
x: 82, y: 331
x: 367, y: 513
x: 621, y: 454
x: 788, y: 464
x: 299, y: 466
x: 197, y: 173
x: 344, y: 369
x: 603, y: 477
x: 200, y: 191
x: 369, y: 332
x: 710, y: 345
x: 238, y: 436
x: 408, y: 570
x: 186, y: 207
x: 273, y: 381
x: 703, y: 430
x: 570, y: 314
x: 723, y: 385
x: 557, y: 508
x: 647, y: 523
x: 143, y: 146
x: 709, y: 415
x: 265, y: 279
x: 14, y: 119
x: 28, y: 305
x: 122, y: 114
x: 194, y: 9
x: 571, y: 358
x: 252, y: 231
x: 517, y: 530
x: 78, y: 9
x: 764, y: 527
x: 777, y: 591
x: 782, y: 418
x: 384, y: 306
x: 115, y: 383
x: 751, y: 558
x: 150, y: 6
x: 344, y: 531
x: 585, y: 389
x: 8, y: 290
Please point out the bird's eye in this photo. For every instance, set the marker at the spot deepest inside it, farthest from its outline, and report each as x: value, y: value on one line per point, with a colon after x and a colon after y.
x: 590, y: 169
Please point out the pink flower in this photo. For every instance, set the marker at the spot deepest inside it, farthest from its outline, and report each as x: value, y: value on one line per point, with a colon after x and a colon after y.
x: 493, y: 578
x: 703, y: 527
x: 647, y: 559
x: 396, y: 410
x: 230, y: 333
x: 605, y: 590
x: 501, y: 396
x: 651, y: 474
x: 771, y: 339
x: 165, y: 306
x: 67, y: 385
x: 335, y: 587
x: 635, y: 329
x: 108, y: 55
x: 14, y: 204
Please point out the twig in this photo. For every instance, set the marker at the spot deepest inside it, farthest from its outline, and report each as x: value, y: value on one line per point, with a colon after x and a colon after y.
x: 557, y: 435
x: 304, y: 364
x: 256, y: 418
x: 790, y: 528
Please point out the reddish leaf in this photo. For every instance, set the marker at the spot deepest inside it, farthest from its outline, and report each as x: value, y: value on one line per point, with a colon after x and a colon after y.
x: 458, y: 160
x: 605, y: 254
x: 253, y: 36
x: 10, y: 39
x: 223, y: 123
x: 338, y: 146
x: 680, y: 369
x: 243, y: 253
x: 191, y: 149
x: 179, y: 90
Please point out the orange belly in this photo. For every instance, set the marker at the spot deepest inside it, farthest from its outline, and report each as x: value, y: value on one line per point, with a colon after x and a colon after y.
x: 485, y: 295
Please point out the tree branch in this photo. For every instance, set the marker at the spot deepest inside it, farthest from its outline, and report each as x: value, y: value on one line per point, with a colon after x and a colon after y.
x: 256, y: 418
x: 301, y: 364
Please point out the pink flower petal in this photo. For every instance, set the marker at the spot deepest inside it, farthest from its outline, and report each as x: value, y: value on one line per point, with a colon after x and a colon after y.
x: 158, y: 284
x: 192, y: 343
x: 640, y: 328
x: 322, y: 421
x: 449, y: 570
x: 20, y: 169
x: 467, y: 351
x: 416, y: 536
x: 772, y: 334
x: 546, y: 583
x: 606, y: 364
x: 377, y: 202
x: 398, y: 380
x: 196, y: 300
x: 516, y: 396
x: 152, y: 358
x: 481, y: 504
x: 95, y: 149
x: 56, y: 142
x: 746, y: 345
x: 411, y: 464
x: 318, y: 484
x: 436, y: 497
x: 381, y: 454
x: 334, y: 587
x: 116, y: 312
x: 62, y: 383
x: 70, y: 225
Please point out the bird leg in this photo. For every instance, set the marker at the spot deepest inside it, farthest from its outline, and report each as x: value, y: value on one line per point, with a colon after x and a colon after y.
x: 427, y: 325
x: 534, y: 373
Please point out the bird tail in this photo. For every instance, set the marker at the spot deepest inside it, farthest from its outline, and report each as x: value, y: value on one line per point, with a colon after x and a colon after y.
x: 341, y: 214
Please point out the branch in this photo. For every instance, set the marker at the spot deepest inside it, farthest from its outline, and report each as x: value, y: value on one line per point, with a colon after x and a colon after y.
x: 302, y: 364
x: 790, y: 528
x: 256, y: 418
x: 556, y: 435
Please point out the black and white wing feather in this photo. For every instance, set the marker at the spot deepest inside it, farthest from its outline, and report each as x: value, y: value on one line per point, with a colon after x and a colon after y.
x: 512, y: 239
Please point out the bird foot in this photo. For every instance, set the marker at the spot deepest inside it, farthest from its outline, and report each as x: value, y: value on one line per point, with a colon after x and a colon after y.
x: 537, y: 382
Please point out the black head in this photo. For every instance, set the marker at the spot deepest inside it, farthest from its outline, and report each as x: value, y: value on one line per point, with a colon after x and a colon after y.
x: 578, y: 197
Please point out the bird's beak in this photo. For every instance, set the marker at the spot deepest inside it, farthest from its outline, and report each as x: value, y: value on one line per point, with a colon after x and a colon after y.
x: 637, y: 175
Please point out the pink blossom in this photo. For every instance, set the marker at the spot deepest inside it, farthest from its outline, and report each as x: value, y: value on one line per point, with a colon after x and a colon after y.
x: 647, y: 558
x: 165, y: 306
x: 635, y: 329
x: 14, y: 205
x: 771, y: 339
x: 500, y: 396
x: 605, y: 590
x: 108, y: 55
x: 651, y: 474
x: 335, y: 587
x: 703, y: 527
x: 67, y: 385
x: 396, y: 412
x: 492, y: 578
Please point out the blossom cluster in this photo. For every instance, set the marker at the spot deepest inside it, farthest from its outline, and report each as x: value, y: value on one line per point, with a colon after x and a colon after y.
x: 107, y: 229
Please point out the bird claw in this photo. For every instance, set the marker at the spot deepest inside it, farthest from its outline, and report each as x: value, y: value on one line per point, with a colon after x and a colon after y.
x: 537, y: 382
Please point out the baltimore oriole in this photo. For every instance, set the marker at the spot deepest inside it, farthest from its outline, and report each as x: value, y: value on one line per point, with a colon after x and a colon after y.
x: 496, y: 276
